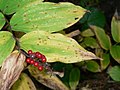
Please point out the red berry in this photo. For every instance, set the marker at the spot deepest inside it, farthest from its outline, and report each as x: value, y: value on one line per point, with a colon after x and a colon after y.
x: 29, y: 51
x: 32, y: 55
x: 36, y: 64
x: 28, y: 60
x: 43, y: 58
x: 38, y: 55
x: 40, y: 68
x: 32, y: 62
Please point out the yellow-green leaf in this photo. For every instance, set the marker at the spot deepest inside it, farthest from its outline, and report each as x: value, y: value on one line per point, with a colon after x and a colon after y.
x: 11, y: 6
x: 7, y: 44
x: 2, y: 20
x: 115, y: 29
x: 23, y: 83
x: 56, y: 47
x: 50, y: 17
x: 102, y: 37
x: 114, y: 51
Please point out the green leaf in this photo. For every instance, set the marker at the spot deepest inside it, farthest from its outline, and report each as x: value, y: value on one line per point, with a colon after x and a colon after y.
x: 2, y: 20
x: 74, y: 78
x: 115, y: 29
x: 87, y: 33
x: 92, y: 66
x: 56, y: 47
x: 50, y: 17
x: 91, y: 42
x: 114, y: 73
x: 23, y: 83
x: 10, y: 7
x: 114, y: 51
x: 105, y: 62
x: 7, y: 44
x: 102, y: 37
x: 96, y: 18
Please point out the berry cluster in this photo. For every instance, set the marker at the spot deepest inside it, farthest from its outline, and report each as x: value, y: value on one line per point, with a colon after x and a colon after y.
x: 37, y: 59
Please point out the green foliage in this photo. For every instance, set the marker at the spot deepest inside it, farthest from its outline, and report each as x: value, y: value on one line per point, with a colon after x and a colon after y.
x: 41, y: 23
x: 115, y: 29
x: 2, y: 20
x: 56, y: 47
x: 105, y: 62
x: 46, y: 16
x: 103, y: 39
x: 74, y: 78
x: 114, y: 51
x: 10, y: 7
x: 114, y: 72
x: 92, y: 66
x: 7, y: 44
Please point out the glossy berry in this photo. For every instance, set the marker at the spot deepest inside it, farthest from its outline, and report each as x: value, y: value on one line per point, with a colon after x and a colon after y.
x: 32, y: 62
x: 40, y: 68
x: 43, y: 59
x: 38, y: 55
x: 36, y: 64
x: 30, y: 52
x: 28, y: 60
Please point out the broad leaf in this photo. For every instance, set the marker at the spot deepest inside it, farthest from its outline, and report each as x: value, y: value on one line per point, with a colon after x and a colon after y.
x: 105, y: 62
x: 10, y: 7
x: 91, y: 42
x: 50, y: 17
x: 114, y: 51
x: 2, y: 20
x: 23, y: 83
x: 114, y: 72
x: 11, y: 69
x: 7, y: 44
x: 56, y: 47
x: 115, y: 29
x: 102, y: 37
x: 74, y: 78
x: 96, y: 18
x: 46, y: 79
x: 92, y: 66
x: 87, y: 33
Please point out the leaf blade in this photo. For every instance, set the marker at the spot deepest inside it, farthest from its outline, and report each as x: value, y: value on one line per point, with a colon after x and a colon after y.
x: 6, y: 45
x: 46, y: 16
x: 56, y: 47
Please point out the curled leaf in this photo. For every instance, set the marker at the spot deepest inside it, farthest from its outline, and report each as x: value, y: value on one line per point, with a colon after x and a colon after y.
x: 48, y: 80
x: 56, y: 47
x: 11, y: 69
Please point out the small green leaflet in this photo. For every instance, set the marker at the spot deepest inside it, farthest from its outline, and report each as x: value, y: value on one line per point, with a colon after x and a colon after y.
x: 50, y: 17
x: 56, y: 47
x: 7, y: 44
x: 2, y: 20
x: 115, y: 29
